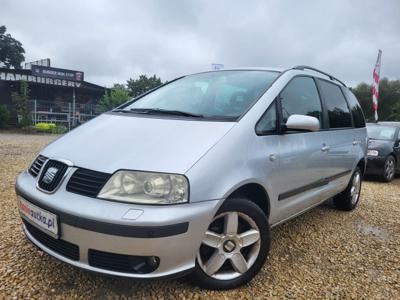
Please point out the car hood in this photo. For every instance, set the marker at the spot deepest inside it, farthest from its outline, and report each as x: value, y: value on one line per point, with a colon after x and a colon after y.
x: 119, y: 141
x: 379, y: 144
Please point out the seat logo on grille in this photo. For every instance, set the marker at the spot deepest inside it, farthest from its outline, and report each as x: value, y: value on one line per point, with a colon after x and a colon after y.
x: 49, y: 175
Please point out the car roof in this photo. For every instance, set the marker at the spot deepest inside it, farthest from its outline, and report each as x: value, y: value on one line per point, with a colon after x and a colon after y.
x: 276, y: 69
x: 306, y: 71
x: 395, y: 124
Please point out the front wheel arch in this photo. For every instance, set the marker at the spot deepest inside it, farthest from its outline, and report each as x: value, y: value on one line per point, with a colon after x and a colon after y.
x: 255, y: 193
x: 395, y: 158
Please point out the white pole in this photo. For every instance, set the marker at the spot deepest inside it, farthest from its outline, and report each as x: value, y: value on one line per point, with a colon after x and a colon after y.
x: 73, y: 107
x: 69, y: 116
x: 35, y: 114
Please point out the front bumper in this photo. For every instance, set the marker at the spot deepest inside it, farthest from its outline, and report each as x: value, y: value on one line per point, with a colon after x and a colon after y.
x: 171, y: 233
x: 375, y: 165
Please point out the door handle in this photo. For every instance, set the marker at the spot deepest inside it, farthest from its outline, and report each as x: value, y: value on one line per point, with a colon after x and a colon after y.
x: 355, y: 142
x: 272, y: 157
x: 325, y: 148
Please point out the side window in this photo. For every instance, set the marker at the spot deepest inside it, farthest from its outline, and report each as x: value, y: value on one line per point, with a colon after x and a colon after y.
x: 301, y: 97
x: 267, y: 123
x: 358, y: 115
x: 338, y: 111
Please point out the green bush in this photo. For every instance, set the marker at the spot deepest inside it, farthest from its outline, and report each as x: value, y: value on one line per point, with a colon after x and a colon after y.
x: 50, y: 128
x: 59, y: 130
x: 45, y: 127
x: 4, y: 116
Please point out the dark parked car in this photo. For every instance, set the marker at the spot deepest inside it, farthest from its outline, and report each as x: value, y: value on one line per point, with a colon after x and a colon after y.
x: 383, y: 149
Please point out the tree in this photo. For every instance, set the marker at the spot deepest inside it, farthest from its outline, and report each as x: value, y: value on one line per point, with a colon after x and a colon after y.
x: 11, y: 51
x: 143, y: 84
x: 20, y: 100
x: 114, y: 97
x: 395, y: 115
x: 4, y: 116
x: 388, y: 103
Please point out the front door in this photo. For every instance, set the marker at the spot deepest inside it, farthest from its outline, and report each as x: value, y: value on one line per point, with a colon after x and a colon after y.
x: 303, y: 164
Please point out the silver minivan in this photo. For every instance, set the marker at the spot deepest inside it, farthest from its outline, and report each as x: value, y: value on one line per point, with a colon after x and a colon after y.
x: 191, y: 176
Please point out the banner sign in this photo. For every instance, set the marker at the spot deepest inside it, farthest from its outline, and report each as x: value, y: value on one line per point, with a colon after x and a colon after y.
x: 57, y: 73
x: 16, y: 76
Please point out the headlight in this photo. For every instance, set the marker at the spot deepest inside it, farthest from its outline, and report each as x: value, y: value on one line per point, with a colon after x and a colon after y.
x: 146, y: 188
x: 372, y: 152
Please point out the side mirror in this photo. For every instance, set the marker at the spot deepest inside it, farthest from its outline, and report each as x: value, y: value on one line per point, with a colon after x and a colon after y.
x: 302, y: 123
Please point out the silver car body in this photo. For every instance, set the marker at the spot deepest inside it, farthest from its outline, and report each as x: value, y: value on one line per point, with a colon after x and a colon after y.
x: 216, y: 157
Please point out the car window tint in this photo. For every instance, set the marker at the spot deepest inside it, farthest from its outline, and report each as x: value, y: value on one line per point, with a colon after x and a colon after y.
x: 358, y: 115
x: 267, y: 123
x: 301, y: 97
x: 338, y: 111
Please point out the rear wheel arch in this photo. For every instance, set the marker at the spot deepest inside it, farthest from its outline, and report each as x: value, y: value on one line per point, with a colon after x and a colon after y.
x: 362, y: 165
x: 254, y: 192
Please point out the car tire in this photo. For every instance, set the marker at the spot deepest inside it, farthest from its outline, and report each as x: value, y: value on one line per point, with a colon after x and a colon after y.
x: 389, y: 169
x: 349, y: 198
x: 228, y: 259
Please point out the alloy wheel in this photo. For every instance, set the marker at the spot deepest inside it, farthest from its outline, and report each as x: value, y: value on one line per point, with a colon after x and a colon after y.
x: 389, y: 169
x: 230, y: 247
x: 355, y: 188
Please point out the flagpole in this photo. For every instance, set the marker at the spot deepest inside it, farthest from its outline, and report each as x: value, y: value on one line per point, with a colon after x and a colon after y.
x: 375, y: 85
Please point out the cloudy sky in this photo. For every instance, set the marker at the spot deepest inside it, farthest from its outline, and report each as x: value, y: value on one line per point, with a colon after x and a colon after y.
x: 112, y: 41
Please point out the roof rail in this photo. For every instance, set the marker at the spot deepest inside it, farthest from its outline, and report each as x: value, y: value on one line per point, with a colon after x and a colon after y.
x: 319, y: 71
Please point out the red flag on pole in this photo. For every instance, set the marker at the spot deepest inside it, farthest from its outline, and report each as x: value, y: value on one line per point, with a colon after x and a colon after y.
x: 375, y: 85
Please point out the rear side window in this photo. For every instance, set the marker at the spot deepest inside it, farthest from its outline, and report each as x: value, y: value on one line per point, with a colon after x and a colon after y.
x: 301, y: 97
x: 358, y: 115
x: 338, y: 111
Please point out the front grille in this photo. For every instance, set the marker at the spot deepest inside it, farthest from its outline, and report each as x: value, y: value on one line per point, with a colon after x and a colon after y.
x: 51, y: 175
x: 87, y: 182
x: 37, y: 165
x: 61, y: 247
x: 123, y: 263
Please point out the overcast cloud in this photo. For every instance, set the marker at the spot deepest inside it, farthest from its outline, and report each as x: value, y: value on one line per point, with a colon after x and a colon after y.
x: 112, y: 41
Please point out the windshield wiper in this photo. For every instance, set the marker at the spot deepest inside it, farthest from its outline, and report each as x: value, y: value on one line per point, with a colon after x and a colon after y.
x: 121, y: 110
x: 159, y: 111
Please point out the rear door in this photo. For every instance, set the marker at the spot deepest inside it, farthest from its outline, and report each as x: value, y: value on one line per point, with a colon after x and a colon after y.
x: 360, y: 138
x: 343, y: 136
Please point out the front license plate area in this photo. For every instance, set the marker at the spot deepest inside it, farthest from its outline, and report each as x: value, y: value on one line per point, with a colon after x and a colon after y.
x: 39, y: 217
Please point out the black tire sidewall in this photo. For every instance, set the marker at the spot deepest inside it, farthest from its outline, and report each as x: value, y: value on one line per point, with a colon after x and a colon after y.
x: 257, y: 215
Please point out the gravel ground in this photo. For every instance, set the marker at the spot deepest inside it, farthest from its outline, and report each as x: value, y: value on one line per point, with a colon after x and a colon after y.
x: 322, y: 254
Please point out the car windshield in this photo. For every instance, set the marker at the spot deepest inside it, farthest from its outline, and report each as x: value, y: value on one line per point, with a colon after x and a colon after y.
x: 378, y: 132
x: 217, y: 95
